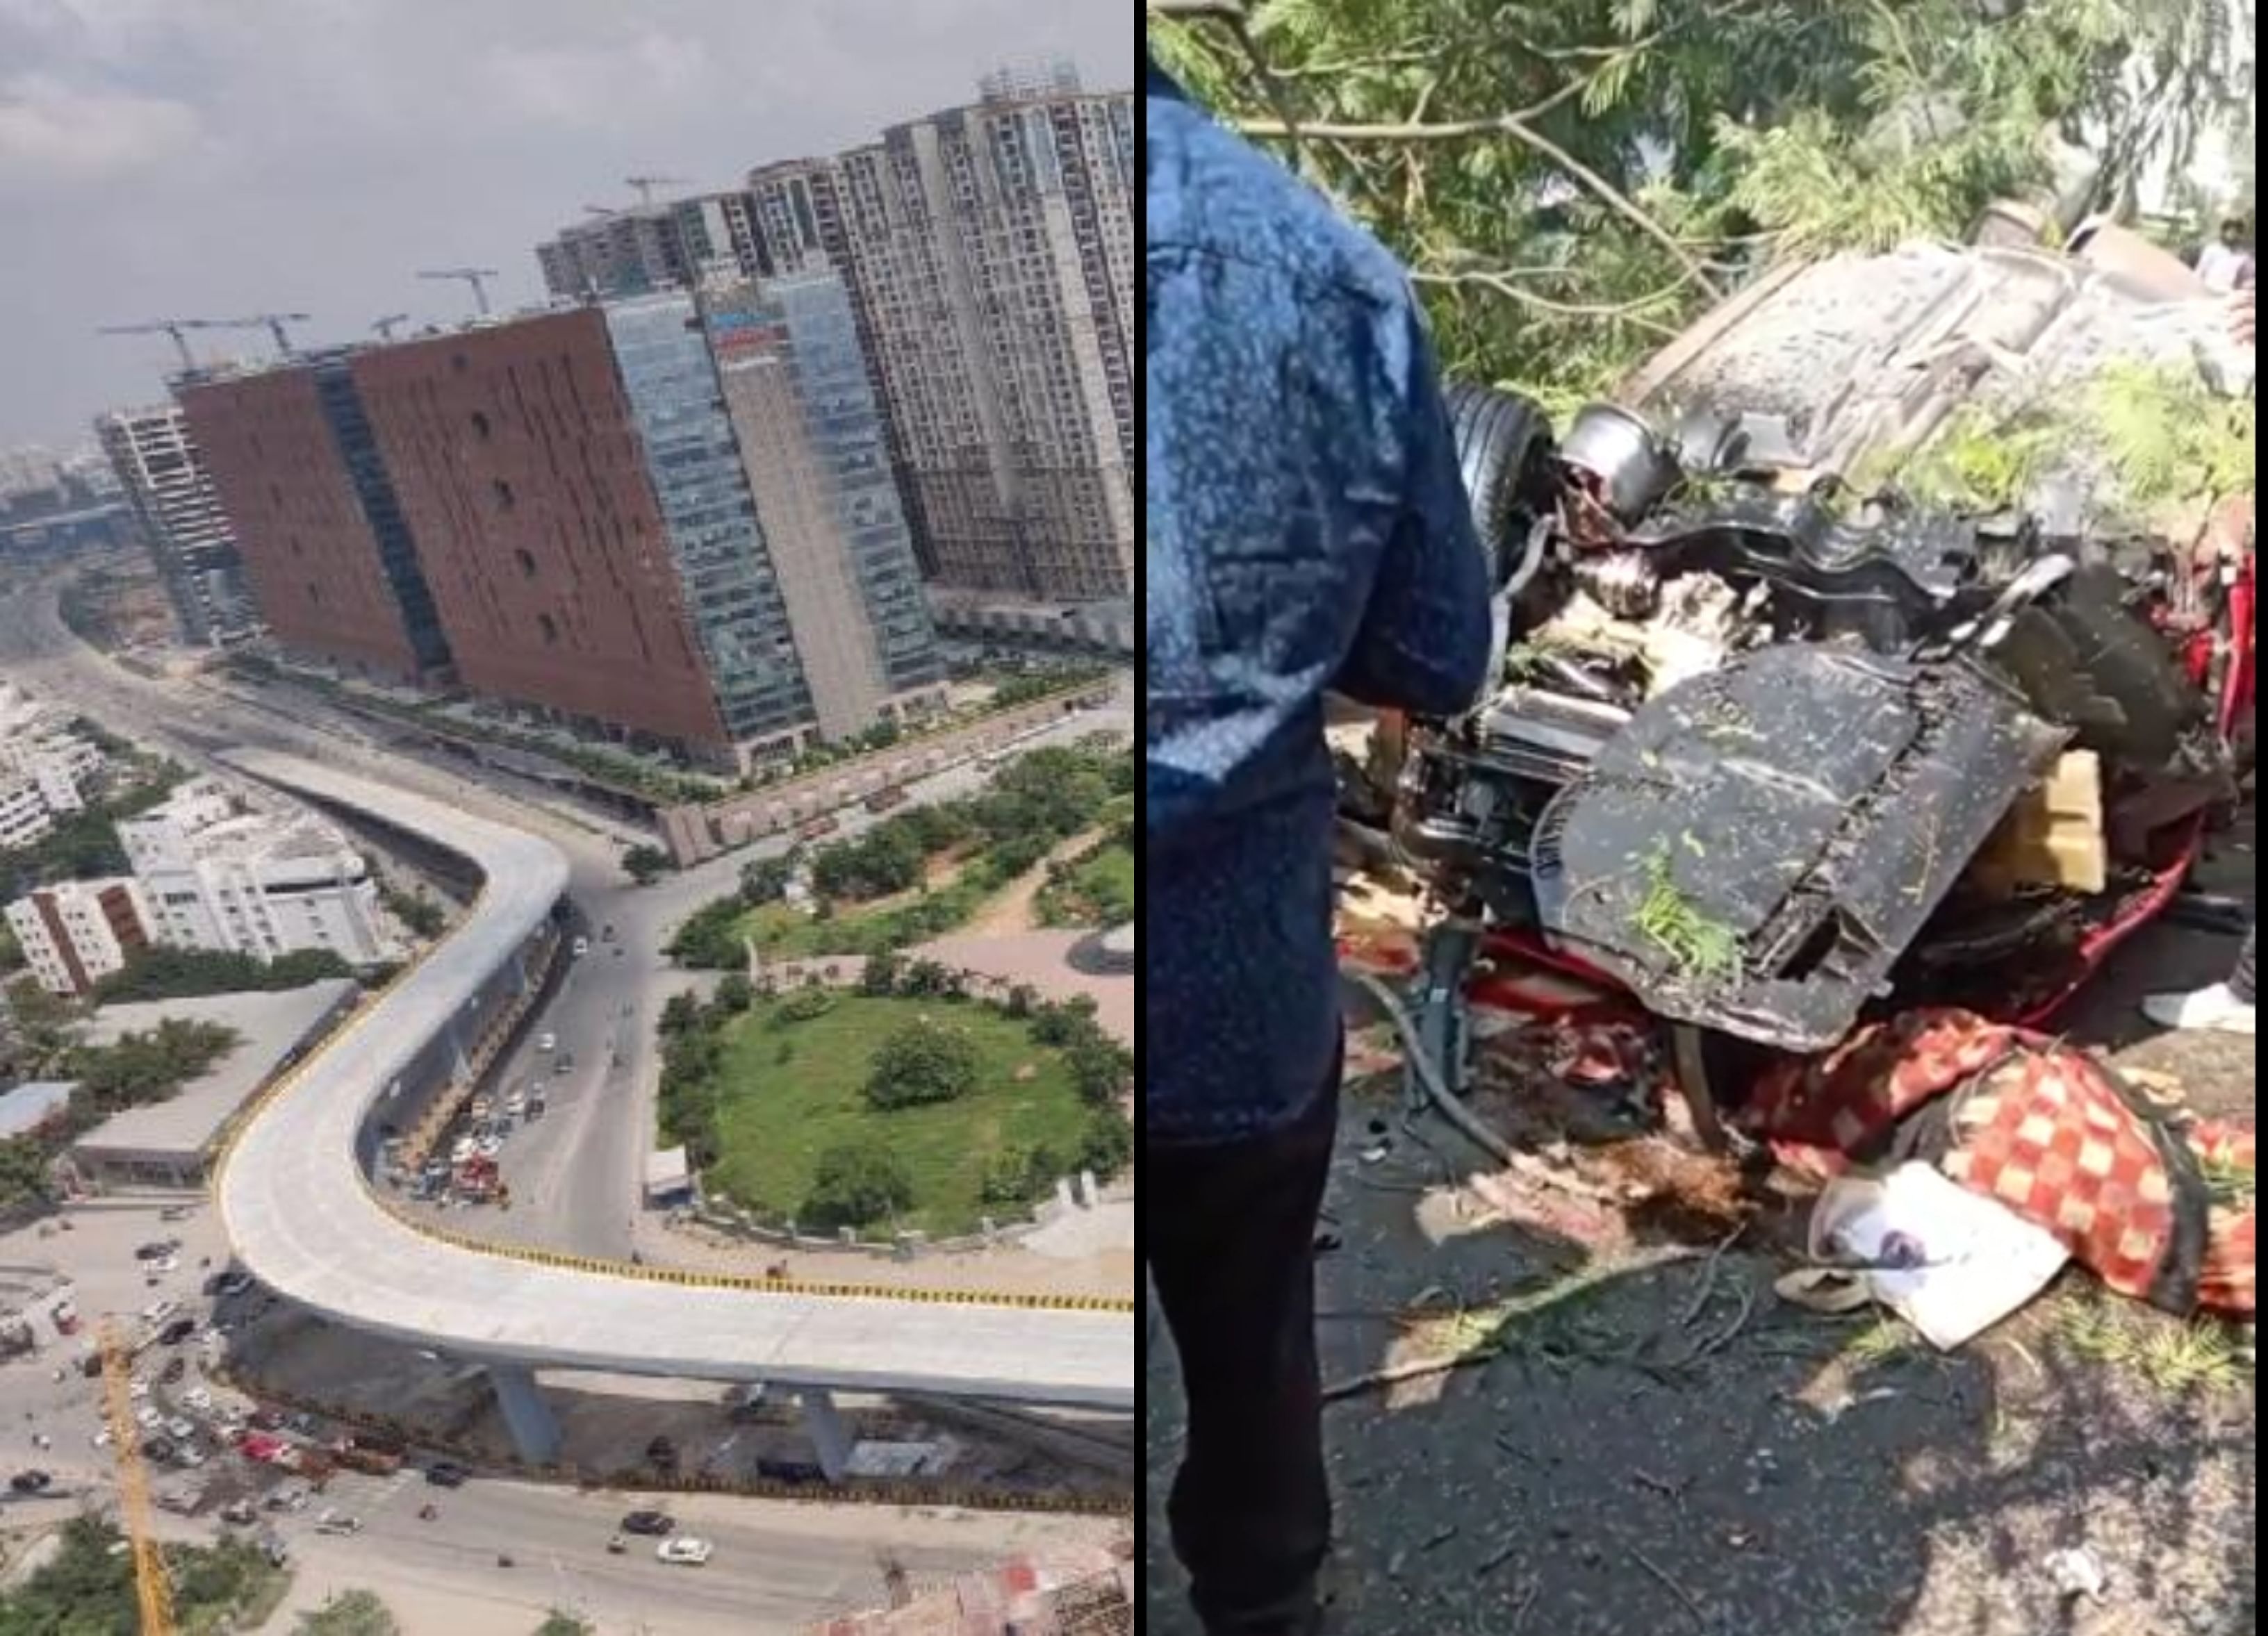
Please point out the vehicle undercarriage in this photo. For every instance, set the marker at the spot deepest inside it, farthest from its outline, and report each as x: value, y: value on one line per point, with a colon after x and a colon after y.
x: 1768, y: 754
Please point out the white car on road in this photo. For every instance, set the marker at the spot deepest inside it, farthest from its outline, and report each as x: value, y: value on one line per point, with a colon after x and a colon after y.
x: 685, y: 1548
x: 549, y: 1042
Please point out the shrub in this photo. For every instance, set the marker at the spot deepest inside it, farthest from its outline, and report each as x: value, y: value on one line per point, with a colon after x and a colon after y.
x: 923, y: 1062
x: 807, y: 1004
x: 879, y: 979
x: 1108, y: 1145
x: 854, y: 1183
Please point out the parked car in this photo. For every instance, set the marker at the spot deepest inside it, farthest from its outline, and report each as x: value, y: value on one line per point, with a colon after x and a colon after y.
x: 156, y: 1250
x: 159, y: 1449
x: 179, y: 1427
x: 176, y: 1368
x: 149, y: 1419
x: 157, y: 1311
x: 177, y: 1332
x: 197, y: 1397
x: 687, y: 1550
x: 652, y: 1523
x: 266, y: 1420
x: 446, y: 1474
x: 661, y: 1451
x: 30, y: 1482
x: 582, y: 947
x: 242, y: 1513
x: 548, y: 1042
x: 337, y: 1522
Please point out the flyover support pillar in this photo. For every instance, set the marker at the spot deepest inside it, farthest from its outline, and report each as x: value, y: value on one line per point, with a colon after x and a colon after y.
x: 535, y: 1430
x: 828, y: 1436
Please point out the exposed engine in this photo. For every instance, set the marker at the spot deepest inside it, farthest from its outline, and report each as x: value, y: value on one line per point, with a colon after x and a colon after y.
x: 1761, y: 748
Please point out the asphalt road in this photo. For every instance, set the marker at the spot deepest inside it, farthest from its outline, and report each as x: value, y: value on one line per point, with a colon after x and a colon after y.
x: 577, y: 1174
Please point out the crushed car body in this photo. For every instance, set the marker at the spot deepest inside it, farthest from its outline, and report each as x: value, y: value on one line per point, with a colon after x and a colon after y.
x: 1769, y: 742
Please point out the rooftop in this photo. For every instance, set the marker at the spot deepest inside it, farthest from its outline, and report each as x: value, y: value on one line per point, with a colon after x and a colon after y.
x: 32, y: 1104
x: 272, y: 1025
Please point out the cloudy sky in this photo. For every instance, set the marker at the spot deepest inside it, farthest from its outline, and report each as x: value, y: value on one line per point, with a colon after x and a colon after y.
x: 161, y: 158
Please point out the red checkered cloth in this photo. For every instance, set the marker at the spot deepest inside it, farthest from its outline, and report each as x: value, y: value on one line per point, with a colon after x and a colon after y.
x: 2044, y: 1128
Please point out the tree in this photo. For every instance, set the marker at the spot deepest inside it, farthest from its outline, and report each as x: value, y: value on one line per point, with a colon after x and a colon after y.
x: 645, y: 864
x: 735, y: 994
x: 711, y: 939
x: 350, y: 1613
x: 559, y: 1622
x: 681, y: 1013
x: 139, y: 1068
x: 765, y: 880
x: 926, y: 980
x: 1099, y: 1068
x: 161, y: 973
x: 855, y: 1184
x: 1570, y: 183
x: 1106, y: 1146
x: 923, y: 1062
x: 880, y: 977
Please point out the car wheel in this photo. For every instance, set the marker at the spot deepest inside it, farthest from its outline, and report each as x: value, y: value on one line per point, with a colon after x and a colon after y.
x: 1504, y: 451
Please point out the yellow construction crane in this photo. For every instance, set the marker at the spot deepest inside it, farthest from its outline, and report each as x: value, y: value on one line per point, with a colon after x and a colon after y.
x: 155, y: 1591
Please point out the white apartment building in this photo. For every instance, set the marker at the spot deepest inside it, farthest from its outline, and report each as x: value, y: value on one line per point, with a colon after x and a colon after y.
x: 36, y: 746
x: 220, y: 874
x: 991, y: 252
x: 173, y: 497
x: 25, y: 819
x: 76, y: 934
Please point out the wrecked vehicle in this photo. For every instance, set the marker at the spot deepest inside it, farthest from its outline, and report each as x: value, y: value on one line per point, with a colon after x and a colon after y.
x: 1772, y: 743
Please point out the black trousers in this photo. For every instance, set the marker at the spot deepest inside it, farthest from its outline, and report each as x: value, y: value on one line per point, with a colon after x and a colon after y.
x: 1229, y: 1237
x: 2241, y: 983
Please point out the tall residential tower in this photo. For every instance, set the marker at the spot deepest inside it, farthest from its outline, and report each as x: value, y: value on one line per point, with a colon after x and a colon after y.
x: 173, y: 500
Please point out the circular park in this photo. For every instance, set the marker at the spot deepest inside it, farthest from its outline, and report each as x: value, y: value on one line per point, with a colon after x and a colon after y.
x: 922, y: 1099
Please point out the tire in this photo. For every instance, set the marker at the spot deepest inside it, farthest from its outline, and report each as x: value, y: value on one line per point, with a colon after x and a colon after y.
x: 1504, y: 451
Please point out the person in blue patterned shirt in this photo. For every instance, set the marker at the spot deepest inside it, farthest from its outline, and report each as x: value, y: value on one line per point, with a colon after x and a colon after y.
x: 1309, y: 532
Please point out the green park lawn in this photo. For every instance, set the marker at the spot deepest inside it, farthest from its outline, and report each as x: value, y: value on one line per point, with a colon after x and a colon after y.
x: 776, y: 1117
x: 1098, y: 891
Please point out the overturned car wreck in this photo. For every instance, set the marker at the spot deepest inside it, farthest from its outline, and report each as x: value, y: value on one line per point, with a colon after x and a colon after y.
x: 1767, y: 752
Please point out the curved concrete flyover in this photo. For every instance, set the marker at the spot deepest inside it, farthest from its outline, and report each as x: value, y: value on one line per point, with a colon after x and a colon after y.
x: 307, y: 1223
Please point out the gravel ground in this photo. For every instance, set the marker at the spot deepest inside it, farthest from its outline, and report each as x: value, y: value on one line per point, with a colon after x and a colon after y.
x: 1803, y: 1477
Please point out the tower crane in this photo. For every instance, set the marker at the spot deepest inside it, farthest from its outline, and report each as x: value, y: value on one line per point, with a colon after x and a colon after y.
x: 152, y: 1588
x: 385, y: 328
x: 472, y: 276
x: 272, y: 322
x: 645, y: 184
x: 175, y: 327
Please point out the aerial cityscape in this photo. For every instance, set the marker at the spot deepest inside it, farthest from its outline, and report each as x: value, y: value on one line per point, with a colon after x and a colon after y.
x: 566, y: 837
